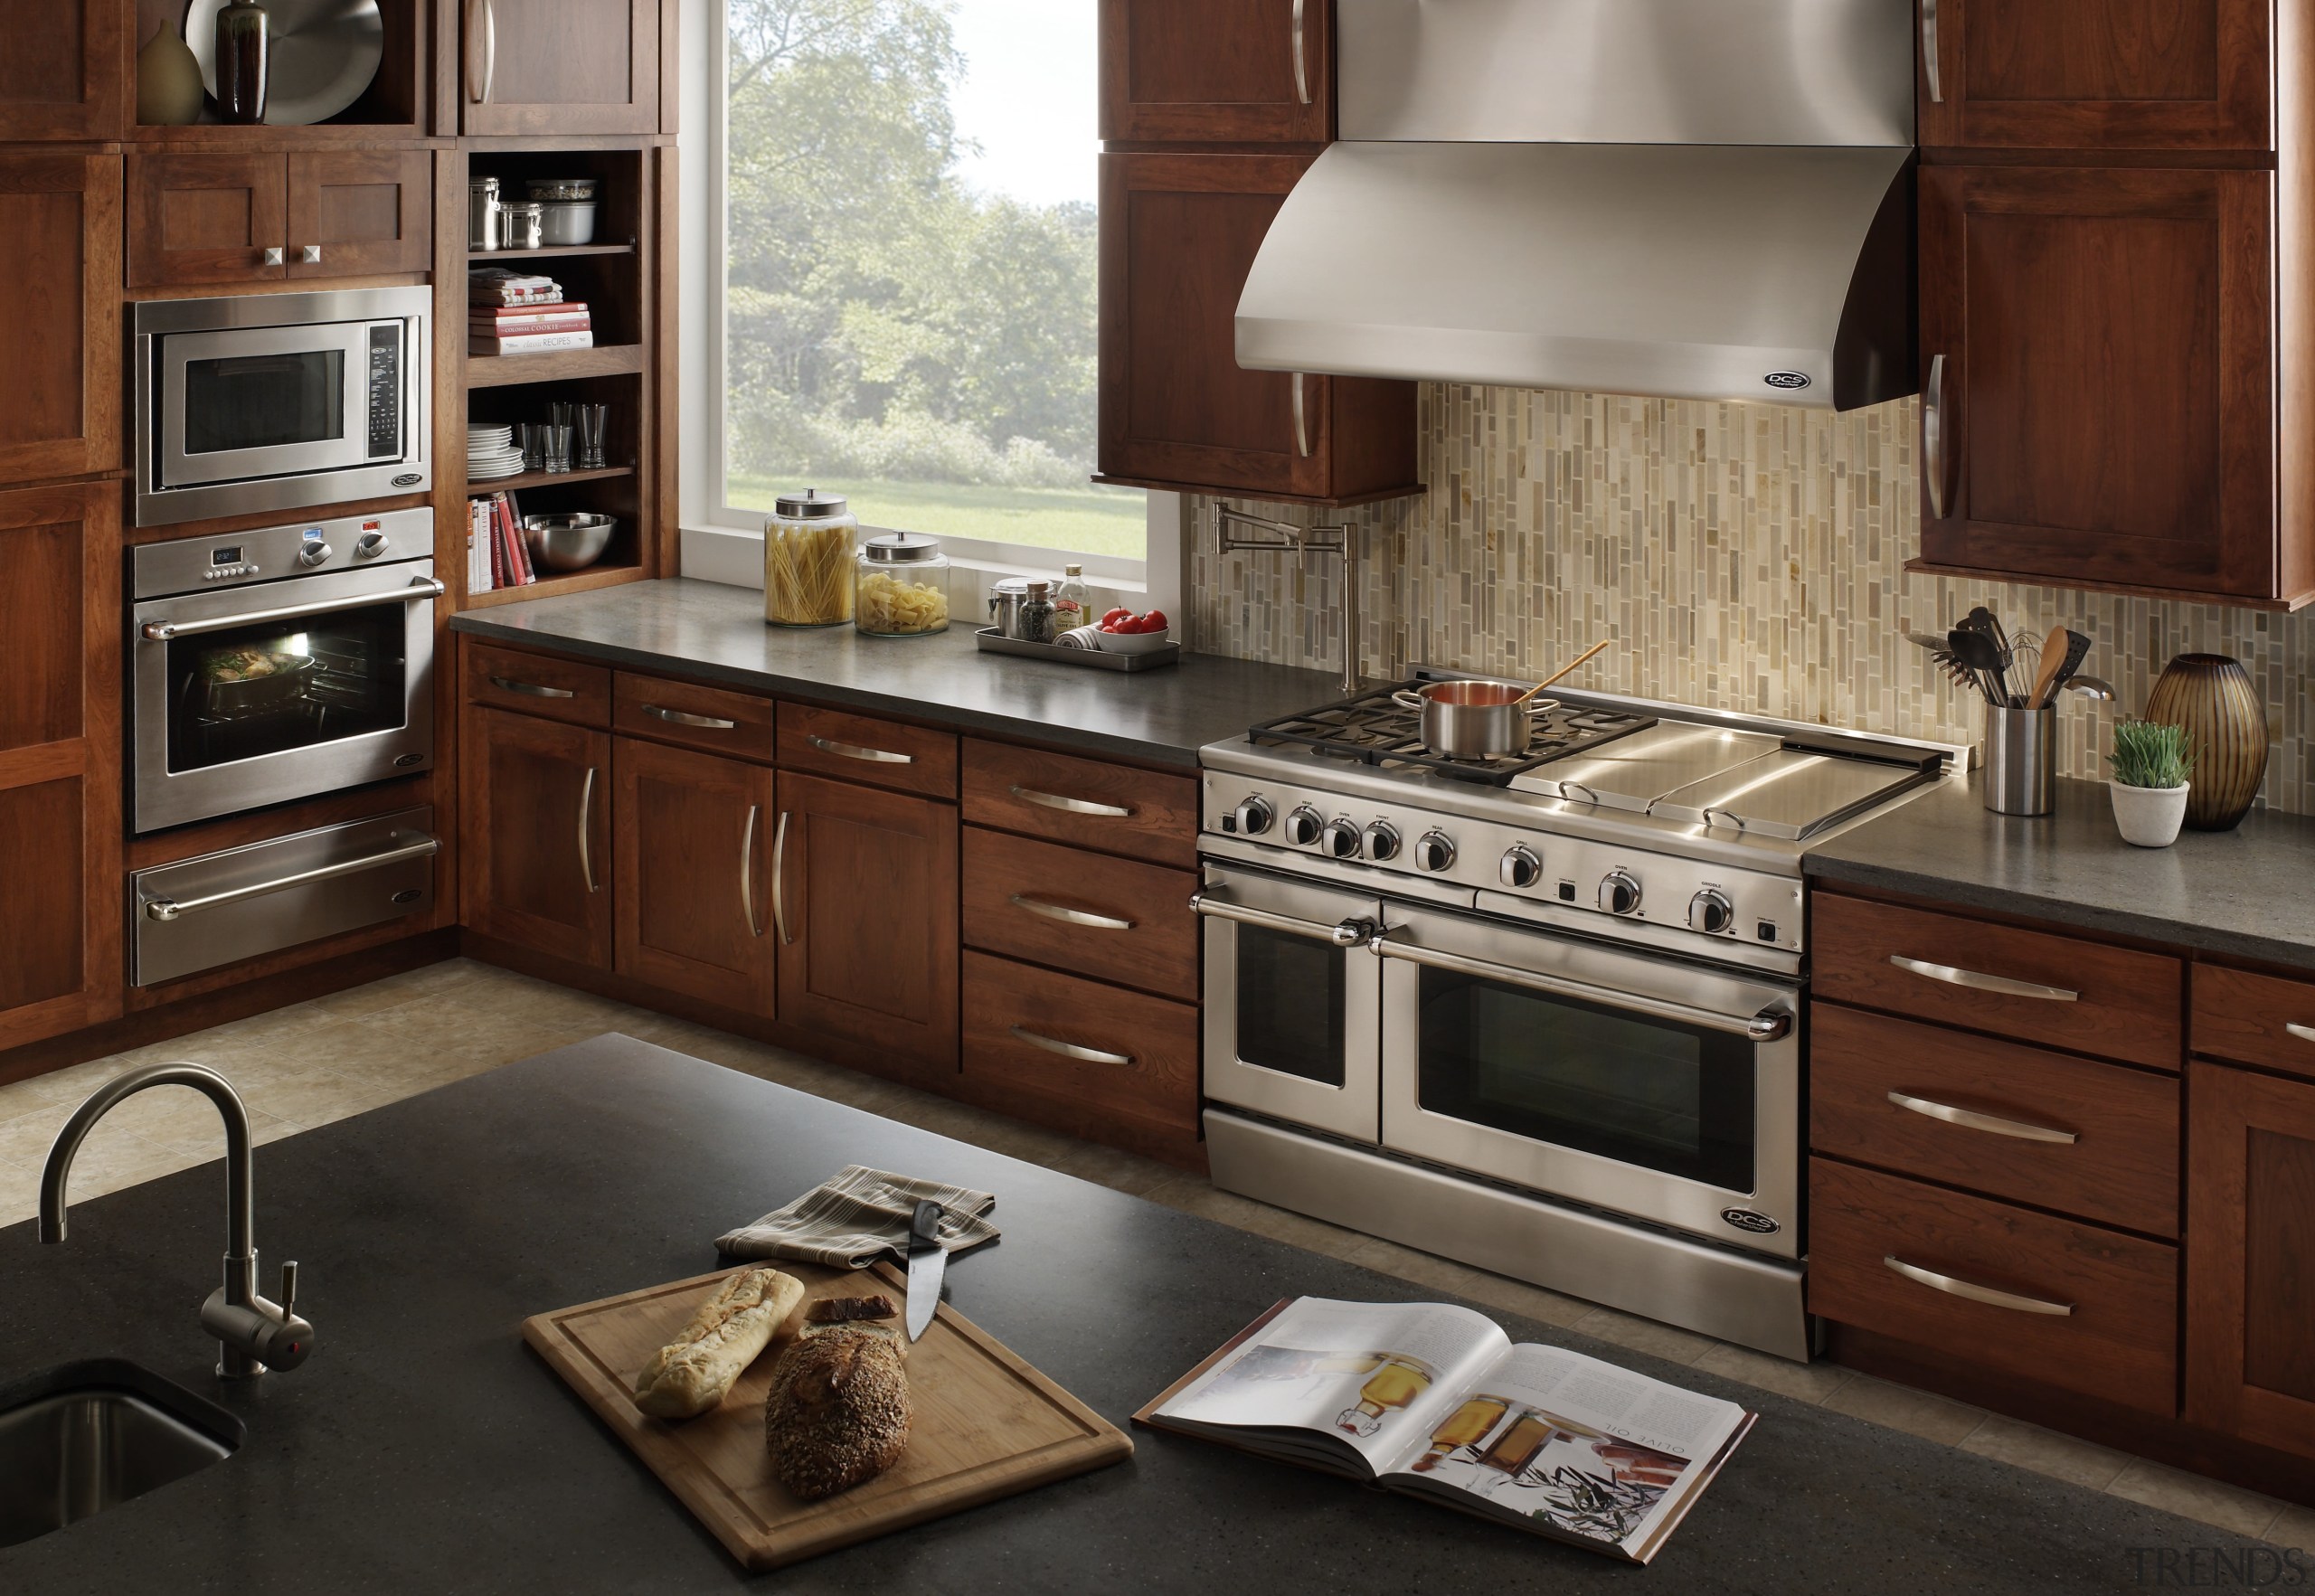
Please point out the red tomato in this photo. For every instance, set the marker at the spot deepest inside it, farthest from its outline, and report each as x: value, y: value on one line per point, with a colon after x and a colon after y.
x: 1156, y: 620
x: 1114, y: 615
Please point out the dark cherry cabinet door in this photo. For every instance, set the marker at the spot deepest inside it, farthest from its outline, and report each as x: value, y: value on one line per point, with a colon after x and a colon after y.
x: 360, y: 212
x: 2251, y: 1256
x: 63, y: 68
x: 1217, y: 72
x: 60, y: 965
x: 865, y: 890
x: 536, y: 855
x: 2097, y: 351
x: 693, y: 842
x: 207, y: 217
x: 60, y: 333
x: 559, y: 66
x: 2097, y: 75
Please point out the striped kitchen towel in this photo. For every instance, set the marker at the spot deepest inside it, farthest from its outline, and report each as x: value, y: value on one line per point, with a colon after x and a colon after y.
x: 860, y: 1217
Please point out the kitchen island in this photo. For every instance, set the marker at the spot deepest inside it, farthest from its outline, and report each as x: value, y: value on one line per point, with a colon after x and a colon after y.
x: 424, y: 1448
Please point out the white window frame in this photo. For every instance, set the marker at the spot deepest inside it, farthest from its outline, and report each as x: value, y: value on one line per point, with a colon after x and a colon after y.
x: 723, y: 542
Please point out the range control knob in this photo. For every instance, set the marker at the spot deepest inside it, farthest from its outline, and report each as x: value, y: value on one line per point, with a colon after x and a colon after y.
x: 369, y: 545
x: 1303, y: 826
x: 1521, y: 868
x: 1252, y: 817
x: 1340, y: 839
x: 1381, y: 841
x: 314, y: 552
x: 1619, y: 892
x: 1433, y: 851
x: 1711, y: 913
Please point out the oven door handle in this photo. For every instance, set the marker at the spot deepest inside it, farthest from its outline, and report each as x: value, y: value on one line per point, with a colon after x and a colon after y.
x: 162, y: 631
x: 165, y: 909
x: 1768, y: 1026
x: 1350, y: 933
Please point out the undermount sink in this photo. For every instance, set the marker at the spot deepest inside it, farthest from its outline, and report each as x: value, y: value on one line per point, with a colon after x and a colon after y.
x: 93, y: 1434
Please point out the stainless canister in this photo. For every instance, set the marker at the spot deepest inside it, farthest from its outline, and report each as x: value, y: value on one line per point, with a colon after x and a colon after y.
x: 520, y: 224
x: 482, y: 213
x: 1006, y: 597
x: 2021, y: 760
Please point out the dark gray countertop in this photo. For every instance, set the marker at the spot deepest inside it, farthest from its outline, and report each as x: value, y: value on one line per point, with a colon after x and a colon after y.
x: 425, y: 1448
x: 715, y: 633
x: 2241, y: 892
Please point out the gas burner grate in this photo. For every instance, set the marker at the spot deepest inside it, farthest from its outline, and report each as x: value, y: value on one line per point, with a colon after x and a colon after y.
x: 1375, y: 729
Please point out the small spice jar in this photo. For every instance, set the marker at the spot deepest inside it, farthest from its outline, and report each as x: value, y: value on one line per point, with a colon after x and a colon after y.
x: 1037, y: 614
x: 808, y: 558
x: 521, y: 224
x: 902, y: 586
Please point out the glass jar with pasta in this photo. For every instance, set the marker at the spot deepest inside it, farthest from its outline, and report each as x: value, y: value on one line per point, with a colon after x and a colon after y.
x: 807, y: 559
x: 903, y: 587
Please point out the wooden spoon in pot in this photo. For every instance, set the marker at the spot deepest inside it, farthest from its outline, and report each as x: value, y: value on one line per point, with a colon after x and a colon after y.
x: 1569, y: 671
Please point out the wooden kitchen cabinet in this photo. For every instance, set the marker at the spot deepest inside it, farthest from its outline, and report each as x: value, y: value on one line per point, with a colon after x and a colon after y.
x: 1179, y: 233
x: 556, y: 66
x: 64, y: 70
x: 59, y: 336
x: 364, y: 212
x: 200, y: 217
x: 1217, y: 72
x: 2251, y: 1256
x: 693, y: 840
x: 865, y: 899
x: 536, y: 855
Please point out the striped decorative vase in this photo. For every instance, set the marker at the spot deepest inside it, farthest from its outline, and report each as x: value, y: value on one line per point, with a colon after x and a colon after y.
x: 2212, y: 697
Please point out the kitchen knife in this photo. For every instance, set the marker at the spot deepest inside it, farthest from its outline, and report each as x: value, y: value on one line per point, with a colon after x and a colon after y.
x: 926, y: 1259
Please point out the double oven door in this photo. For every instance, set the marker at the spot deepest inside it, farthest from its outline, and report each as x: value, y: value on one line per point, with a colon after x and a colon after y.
x: 1649, y: 1087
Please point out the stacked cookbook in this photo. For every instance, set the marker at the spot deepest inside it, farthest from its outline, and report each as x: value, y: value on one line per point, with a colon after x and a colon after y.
x: 514, y: 313
x: 496, y: 554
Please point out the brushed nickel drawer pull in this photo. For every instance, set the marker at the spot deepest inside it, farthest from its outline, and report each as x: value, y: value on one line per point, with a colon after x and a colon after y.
x: 748, y: 871
x: 1302, y: 55
x: 853, y: 750
x: 1301, y: 420
x: 1929, y: 49
x: 586, y: 815
x: 1054, y: 800
x: 1976, y: 982
x: 1975, y: 1293
x: 1977, y: 1121
x: 2304, y: 1033
x: 780, y: 880
x: 1070, y: 1049
x: 675, y: 717
x: 530, y: 689
x: 1932, y: 436
x: 1101, y: 922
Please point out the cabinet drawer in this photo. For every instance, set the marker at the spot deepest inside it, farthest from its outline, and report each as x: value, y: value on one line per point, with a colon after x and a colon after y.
x: 542, y: 684
x: 1102, y: 1052
x: 713, y: 720
x: 2030, y: 985
x: 2088, y: 1309
x: 2254, y: 1019
x: 861, y: 748
x: 1114, y: 807
x: 2086, y: 1139
x: 1115, y: 920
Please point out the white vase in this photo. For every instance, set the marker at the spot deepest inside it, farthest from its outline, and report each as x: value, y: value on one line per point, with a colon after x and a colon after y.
x: 2149, y: 817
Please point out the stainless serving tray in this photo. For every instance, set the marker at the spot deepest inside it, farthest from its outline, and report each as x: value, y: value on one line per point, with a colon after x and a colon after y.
x: 990, y: 640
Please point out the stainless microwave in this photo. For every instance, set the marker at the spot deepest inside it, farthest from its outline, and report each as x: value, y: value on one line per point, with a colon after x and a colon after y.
x: 276, y: 401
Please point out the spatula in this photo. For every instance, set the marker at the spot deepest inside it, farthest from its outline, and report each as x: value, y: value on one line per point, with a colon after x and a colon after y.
x: 2046, y: 680
x: 2077, y: 649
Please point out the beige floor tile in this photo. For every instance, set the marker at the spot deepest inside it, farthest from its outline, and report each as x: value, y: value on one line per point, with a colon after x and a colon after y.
x: 24, y: 1139
x: 19, y: 1192
x: 1115, y: 1168
x: 2191, y: 1496
x: 21, y: 1097
x: 308, y: 1098
x: 1809, y: 1382
x: 1459, y: 1279
x: 177, y: 1118
x: 2046, y: 1451
x: 1194, y: 1194
x: 2294, y: 1527
x: 75, y: 1082
x: 110, y: 1166
x: 1668, y: 1342
x: 393, y: 990
x: 1900, y: 1407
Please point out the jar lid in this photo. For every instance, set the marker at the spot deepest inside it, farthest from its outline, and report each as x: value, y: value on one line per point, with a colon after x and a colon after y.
x: 483, y: 184
x: 811, y: 504
x: 1010, y: 584
x: 561, y: 188
x: 902, y: 548
x: 522, y: 208
x: 1038, y: 589
x: 1073, y: 571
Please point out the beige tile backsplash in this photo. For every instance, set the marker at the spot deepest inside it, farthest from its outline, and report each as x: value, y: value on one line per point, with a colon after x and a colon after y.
x: 1743, y: 556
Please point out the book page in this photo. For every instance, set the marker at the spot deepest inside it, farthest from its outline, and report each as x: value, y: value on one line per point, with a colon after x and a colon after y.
x: 1373, y: 1375
x: 1593, y: 1451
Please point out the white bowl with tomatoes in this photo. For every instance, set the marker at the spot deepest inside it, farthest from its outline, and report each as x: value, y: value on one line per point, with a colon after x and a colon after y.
x: 1121, y: 632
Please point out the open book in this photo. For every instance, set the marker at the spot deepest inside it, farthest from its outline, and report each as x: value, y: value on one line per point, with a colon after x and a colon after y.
x: 1437, y: 1401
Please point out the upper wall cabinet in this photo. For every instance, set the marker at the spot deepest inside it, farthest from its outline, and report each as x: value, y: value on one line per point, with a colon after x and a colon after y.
x: 559, y: 66
x: 62, y: 70
x: 60, y: 332
x: 2096, y: 74
x: 202, y: 217
x: 1217, y: 72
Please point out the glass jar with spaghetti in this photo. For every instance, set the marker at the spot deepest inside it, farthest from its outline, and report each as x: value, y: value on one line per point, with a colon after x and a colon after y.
x: 807, y: 556
x: 902, y: 589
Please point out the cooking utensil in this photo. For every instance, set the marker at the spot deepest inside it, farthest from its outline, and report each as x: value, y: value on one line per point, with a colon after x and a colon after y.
x: 1933, y: 641
x: 927, y: 1258
x: 2096, y: 688
x: 2046, y: 678
x: 321, y: 55
x: 1566, y: 670
x: 1986, y: 624
x: 236, y: 698
x: 1977, y: 650
x: 568, y: 542
x: 1473, y: 720
x: 2077, y: 649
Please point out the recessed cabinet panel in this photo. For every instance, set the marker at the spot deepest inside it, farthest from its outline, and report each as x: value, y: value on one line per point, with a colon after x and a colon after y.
x: 559, y: 66
x: 207, y: 217
x: 60, y: 334
x: 61, y: 69
x: 1217, y: 72
x: 366, y: 212
x: 537, y: 845
x: 693, y: 850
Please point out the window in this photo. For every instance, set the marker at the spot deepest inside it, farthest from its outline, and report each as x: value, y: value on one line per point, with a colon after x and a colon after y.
x: 909, y: 274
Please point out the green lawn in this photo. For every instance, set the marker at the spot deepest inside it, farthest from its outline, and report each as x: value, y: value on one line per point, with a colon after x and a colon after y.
x: 1088, y: 520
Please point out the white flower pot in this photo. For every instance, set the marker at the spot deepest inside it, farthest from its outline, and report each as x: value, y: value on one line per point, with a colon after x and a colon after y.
x: 2149, y: 817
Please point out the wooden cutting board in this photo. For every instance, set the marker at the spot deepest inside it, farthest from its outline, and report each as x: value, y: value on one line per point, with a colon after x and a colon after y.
x: 987, y: 1424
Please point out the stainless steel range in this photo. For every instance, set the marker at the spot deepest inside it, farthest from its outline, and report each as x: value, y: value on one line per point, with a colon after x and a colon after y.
x: 1540, y: 1013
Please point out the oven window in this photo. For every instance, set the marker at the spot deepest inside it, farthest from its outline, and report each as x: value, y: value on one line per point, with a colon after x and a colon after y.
x: 1668, y: 1097
x: 264, y: 401
x: 273, y: 687
x: 1290, y: 1003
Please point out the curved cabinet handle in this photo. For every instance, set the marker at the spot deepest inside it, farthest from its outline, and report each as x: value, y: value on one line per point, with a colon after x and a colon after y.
x: 530, y: 689
x: 1054, y: 800
x: 780, y: 880
x: 748, y: 871
x: 1068, y: 916
x: 482, y: 49
x: 2001, y: 986
x: 586, y: 817
x: 1070, y: 1049
x: 2304, y: 1033
x: 1298, y: 40
x: 2019, y: 1129
x: 1929, y: 49
x: 1932, y: 436
x: 853, y: 750
x: 1302, y: 421
x: 1952, y: 1287
x: 675, y: 717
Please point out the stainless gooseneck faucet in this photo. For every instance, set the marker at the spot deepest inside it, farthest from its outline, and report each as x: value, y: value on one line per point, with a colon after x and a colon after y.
x: 256, y: 1334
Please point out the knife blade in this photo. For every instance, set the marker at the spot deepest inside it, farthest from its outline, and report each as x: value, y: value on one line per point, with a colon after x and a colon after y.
x: 926, y: 1260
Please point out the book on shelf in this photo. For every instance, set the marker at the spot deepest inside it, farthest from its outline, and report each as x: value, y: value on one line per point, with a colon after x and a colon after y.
x: 496, y: 285
x: 479, y: 563
x: 497, y: 555
x: 530, y: 343
x: 502, y: 319
x: 1436, y: 1402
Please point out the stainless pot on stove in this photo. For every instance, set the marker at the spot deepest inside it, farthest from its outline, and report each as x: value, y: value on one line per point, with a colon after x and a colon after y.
x: 1475, y: 720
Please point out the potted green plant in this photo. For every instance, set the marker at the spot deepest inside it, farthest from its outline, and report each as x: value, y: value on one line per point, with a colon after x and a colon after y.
x: 2152, y: 764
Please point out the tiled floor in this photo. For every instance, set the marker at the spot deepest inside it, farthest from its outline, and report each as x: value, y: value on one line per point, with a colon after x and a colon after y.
x: 305, y: 1066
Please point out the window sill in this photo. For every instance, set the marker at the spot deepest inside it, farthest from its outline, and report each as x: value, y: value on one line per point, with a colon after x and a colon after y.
x: 727, y: 554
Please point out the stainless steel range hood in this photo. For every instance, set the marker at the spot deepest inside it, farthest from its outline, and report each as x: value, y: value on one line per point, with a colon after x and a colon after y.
x: 1706, y: 199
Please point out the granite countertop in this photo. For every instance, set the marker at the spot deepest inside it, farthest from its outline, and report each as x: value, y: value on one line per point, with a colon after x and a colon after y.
x: 716, y: 632
x: 425, y: 1448
x: 2242, y: 893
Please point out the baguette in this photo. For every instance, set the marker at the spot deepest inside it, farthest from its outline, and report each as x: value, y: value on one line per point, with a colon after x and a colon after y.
x: 692, y: 1372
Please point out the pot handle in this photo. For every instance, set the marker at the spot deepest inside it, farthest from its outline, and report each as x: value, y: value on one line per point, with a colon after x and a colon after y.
x: 1542, y: 706
x: 1408, y: 698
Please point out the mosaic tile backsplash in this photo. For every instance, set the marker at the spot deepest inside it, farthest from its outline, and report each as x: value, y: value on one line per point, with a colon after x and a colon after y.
x: 1745, y: 557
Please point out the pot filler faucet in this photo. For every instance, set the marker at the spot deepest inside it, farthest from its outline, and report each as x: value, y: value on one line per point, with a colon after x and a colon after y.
x: 256, y: 1334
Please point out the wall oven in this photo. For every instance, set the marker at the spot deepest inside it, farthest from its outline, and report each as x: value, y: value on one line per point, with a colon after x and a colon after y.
x: 272, y: 402
x: 280, y: 663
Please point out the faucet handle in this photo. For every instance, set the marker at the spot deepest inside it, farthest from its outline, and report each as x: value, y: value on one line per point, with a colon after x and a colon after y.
x: 288, y: 1287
